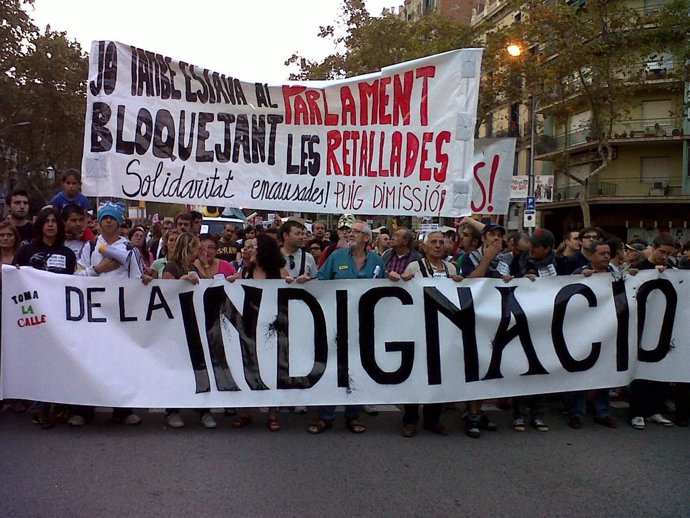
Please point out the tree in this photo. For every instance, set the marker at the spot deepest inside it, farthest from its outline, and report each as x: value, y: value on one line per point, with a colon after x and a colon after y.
x: 366, y: 44
x: 42, y: 102
x: 588, y: 59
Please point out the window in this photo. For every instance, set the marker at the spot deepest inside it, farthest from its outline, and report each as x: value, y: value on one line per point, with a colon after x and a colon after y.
x: 655, y: 169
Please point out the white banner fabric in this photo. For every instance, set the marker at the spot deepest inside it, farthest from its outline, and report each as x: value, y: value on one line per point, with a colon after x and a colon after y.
x: 395, y: 142
x: 494, y: 160
x: 105, y: 342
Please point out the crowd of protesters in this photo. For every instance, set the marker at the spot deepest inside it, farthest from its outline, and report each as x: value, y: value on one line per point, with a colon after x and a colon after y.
x: 64, y: 239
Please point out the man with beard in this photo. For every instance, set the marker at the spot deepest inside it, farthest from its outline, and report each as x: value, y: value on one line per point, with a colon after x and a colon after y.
x: 353, y: 262
x: 18, y: 204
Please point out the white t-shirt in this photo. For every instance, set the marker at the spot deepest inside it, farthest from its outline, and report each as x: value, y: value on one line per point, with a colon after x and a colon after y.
x: 296, y: 261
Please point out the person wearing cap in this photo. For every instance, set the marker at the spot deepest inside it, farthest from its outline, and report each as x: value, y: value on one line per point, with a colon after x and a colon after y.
x: 634, y: 253
x: 92, y: 263
x: 482, y: 262
x: 345, y: 223
x: 576, y: 405
x: 353, y: 262
x: 538, y: 261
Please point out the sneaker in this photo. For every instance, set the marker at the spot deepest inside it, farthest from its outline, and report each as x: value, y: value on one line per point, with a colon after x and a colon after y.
x: 370, y: 410
x: 300, y: 410
x: 485, y: 424
x: 472, y: 426
x: 519, y: 425
x: 660, y: 419
x: 207, y: 420
x: 637, y: 423
x: 173, y: 419
x: 539, y: 424
x: 76, y: 420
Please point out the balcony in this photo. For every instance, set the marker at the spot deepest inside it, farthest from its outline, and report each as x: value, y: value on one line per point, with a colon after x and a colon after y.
x: 631, y: 187
x: 621, y: 132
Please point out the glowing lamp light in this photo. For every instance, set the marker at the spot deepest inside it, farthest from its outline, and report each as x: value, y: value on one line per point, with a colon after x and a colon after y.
x: 514, y: 50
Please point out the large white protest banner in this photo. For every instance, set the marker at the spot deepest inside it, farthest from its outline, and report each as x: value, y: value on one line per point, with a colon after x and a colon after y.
x: 266, y: 343
x: 395, y: 142
x: 494, y: 159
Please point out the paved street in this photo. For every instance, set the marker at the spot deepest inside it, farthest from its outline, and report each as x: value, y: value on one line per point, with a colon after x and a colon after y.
x: 105, y: 469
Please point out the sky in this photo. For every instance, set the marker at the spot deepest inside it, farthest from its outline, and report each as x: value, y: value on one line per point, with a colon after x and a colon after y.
x: 249, y: 40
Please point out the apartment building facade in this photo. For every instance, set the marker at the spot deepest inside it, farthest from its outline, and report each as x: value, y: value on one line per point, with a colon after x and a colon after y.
x: 645, y: 187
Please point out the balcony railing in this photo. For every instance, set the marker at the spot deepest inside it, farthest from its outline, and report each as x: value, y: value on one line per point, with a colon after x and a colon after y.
x: 621, y: 130
x: 621, y: 188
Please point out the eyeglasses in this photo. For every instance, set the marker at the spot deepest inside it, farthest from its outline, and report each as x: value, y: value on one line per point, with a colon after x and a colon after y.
x: 355, y: 231
x: 292, y: 261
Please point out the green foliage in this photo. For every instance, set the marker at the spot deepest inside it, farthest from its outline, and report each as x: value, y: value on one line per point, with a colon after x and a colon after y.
x: 42, y: 83
x: 367, y: 43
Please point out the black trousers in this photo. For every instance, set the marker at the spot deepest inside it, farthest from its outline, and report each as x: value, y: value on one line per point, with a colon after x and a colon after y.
x: 432, y: 414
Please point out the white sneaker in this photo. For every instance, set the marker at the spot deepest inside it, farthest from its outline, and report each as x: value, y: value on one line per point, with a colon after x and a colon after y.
x: 300, y: 410
x: 174, y: 420
x: 637, y: 423
x: 207, y: 420
x: 132, y: 419
x: 76, y: 420
x: 660, y: 419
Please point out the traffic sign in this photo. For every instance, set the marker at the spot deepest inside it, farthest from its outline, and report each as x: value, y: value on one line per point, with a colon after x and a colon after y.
x: 530, y: 204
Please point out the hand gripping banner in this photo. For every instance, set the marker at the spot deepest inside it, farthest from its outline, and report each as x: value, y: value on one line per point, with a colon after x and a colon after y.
x: 85, y: 340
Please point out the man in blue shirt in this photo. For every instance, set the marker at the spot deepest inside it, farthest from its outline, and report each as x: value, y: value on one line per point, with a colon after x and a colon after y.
x: 353, y: 262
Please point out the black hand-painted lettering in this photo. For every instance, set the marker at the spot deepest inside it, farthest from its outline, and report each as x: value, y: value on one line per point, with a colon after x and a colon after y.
x: 285, y: 381
x: 560, y: 306
x: 505, y: 334
x: 663, y: 346
x: 463, y: 318
x: 367, y: 343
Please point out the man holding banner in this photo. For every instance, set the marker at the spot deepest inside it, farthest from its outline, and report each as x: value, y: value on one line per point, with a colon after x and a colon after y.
x: 354, y: 262
x: 98, y: 258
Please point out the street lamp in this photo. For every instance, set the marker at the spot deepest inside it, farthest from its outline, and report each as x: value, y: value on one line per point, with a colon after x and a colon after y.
x: 516, y: 51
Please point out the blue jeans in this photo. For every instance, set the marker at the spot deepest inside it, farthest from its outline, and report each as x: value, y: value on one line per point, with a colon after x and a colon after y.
x: 577, y: 403
x: 327, y: 413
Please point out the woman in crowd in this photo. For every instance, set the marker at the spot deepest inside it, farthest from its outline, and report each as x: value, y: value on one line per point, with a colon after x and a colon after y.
x: 315, y: 248
x: 167, y: 247
x: 208, y: 265
x: 265, y: 262
x: 154, y: 236
x: 47, y: 251
x: 9, y: 244
x: 137, y: 236
x: 180, y: 266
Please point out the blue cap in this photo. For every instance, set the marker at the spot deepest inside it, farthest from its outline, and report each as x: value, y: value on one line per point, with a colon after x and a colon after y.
x: 113, y: 210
